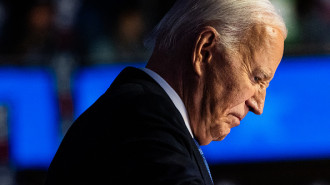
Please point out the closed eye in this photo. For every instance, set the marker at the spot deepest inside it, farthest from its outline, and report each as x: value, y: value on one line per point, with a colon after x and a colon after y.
x: 261, y: 81
x: 257, y: 79
x: 261, y: 77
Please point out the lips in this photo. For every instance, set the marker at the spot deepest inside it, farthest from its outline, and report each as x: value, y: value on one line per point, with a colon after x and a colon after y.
x: 237, y: 119
x: 238, y: 116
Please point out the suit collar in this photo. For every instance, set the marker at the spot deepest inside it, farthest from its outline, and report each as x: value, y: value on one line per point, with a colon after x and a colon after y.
x: 130, y: 74
x: 177, y: 101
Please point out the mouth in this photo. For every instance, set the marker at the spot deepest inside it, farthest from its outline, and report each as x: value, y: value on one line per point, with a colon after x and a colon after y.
x: 238, y: 116
x: 237, y: 119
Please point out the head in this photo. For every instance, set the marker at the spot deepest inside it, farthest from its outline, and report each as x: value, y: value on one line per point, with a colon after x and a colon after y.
x: 232, y: 48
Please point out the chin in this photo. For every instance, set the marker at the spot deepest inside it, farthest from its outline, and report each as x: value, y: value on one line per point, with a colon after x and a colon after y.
x: 207, y: 141
x: 220, y: 138
x: 219, y: 133
x: 204, y: 141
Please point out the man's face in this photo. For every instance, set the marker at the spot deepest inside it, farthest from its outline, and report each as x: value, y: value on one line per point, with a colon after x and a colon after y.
x: 236, y: 84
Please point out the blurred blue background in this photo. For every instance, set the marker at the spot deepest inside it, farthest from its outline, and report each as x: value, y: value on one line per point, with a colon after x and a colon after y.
x: 58, y: 56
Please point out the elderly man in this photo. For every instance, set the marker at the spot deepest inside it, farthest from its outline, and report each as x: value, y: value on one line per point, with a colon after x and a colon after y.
x: 211, y: 64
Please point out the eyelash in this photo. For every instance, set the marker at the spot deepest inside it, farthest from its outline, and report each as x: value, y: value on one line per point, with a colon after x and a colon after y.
x: 257, y: 79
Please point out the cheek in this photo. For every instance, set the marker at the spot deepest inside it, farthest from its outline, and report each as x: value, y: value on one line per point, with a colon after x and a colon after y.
x: 231, y: 99
x: 242, y: 93
x: 235, y: 86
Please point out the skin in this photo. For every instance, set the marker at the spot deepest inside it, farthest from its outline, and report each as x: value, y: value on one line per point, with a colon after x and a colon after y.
x: 219, y: 87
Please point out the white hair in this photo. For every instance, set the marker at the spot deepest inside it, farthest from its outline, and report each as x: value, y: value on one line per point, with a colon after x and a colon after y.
x: 231, y: 18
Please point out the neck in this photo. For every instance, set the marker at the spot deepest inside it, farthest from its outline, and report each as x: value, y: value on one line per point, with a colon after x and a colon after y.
x: 170, y: 68
x: 176, y: 70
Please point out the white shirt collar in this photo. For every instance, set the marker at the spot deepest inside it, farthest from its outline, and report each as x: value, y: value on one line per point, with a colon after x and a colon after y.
x: 173, y: 96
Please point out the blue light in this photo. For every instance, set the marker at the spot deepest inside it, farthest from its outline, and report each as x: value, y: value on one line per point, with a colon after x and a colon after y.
x: 29, y: 95
x: 90, y: 83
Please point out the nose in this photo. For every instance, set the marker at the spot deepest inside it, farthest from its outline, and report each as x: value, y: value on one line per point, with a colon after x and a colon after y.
x: 256, y: 102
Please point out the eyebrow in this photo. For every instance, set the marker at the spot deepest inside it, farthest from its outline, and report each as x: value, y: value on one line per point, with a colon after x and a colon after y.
x: 265, y: 75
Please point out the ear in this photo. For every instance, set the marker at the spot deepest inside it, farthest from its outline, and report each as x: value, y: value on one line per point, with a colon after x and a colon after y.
x: 204, y: 48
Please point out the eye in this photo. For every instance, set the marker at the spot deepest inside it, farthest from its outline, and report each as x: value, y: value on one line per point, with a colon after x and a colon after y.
x: 257, y: 79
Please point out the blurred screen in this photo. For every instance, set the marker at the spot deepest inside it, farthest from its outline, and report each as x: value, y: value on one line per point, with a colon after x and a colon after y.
x: 90, y: 83
x: 29, y: 116
x: 294, y: 125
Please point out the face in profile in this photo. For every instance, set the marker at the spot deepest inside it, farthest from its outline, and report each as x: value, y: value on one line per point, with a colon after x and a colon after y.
x: 236, y: 84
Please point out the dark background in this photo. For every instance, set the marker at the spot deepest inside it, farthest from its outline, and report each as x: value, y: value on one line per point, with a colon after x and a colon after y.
x: 66, y: 35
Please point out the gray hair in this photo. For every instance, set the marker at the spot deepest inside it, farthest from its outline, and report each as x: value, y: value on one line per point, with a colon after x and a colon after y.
x: 231, y: 18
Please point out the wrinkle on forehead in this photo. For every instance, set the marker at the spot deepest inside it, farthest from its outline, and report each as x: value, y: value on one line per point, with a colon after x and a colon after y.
x: 258, y: 39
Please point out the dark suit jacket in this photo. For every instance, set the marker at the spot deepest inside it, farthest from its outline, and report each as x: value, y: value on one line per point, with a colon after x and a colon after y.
x: 133, y: 135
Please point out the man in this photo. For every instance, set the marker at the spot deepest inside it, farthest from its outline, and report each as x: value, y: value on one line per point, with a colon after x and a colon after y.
x: 211, y: 64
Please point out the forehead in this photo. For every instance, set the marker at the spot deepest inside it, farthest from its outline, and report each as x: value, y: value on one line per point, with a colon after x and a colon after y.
x: 263, y: 48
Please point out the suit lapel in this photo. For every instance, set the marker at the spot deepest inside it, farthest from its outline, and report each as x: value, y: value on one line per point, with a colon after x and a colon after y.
x: 200, y: 161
